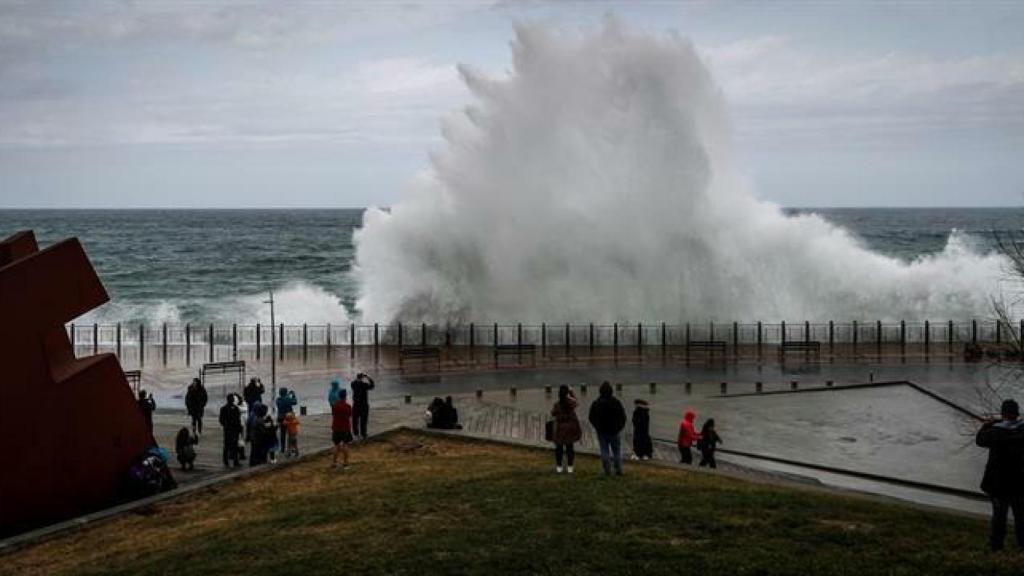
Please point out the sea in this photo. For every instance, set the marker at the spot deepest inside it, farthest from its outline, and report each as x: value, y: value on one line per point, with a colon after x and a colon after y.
x: 220, y: 265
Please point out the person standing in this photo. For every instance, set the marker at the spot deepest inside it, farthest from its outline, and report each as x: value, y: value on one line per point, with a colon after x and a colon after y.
x: 643, y: 446
x: 567, y: 429
x: 195, y: 403
x: 231, y: 421
x: 286, y: 402
x: 341, y: 428
x: 361, y: 387
x: 291, y: 426
x: 147, y: 405
x: 687, y: 436
x: 332, y: 394
x: 253, y: 393
x: 608, y: 418
x: 1004, y: 472
x: 264, y: 437
x: 709, y: 440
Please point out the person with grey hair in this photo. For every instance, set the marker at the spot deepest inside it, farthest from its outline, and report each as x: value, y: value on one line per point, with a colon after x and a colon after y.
x: 1004, y: 472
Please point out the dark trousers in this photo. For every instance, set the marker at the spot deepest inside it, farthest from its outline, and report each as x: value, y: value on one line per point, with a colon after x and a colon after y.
x: 643, y: 447
x: 231, y: 447
x: 283, y: 433
x: 360, y: 416
x: 685, y: 455
x: 611, y: 453
x: 568, y: 450
x: 197, y: 423
x: 707, y: 458
x: 1000, y: 508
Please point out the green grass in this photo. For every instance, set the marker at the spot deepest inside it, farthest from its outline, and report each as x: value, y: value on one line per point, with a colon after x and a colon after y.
x: 463, y: 507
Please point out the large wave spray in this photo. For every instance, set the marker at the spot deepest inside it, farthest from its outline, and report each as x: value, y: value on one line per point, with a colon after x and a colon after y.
x: 594, y: 183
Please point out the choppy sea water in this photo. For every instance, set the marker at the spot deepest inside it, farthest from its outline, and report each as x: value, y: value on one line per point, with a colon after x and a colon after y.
x: 218, y: 265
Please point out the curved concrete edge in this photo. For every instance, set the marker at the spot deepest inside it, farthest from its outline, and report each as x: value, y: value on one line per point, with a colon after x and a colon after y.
x: 39, y: 535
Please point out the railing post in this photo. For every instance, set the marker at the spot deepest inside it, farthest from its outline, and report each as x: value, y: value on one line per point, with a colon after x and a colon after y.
x: 211, y: 344
x: 999, y: 332
x: 258, y: 330
x: 328, y: 339
x: 927, y: 338
x: 591, y: 337
x: 352, y: 340
x: 615, y: 338
x: 472, y: 337
x: 305, y: 340
x: 142, y: 345
x: 376, y: 338
x: 494, y: 336
x: 568, y: 336
x: 903, y: 337
x: 519, y: 334
x: 400, y: 335
x: 188, y: 344
x: 974, y: 331
x: 831, y: 337
x: 117, y: 338
x: 164, y: 345
x: 807, y: 331
x: 949, y: 337
x: 543, y: 339
x: 664, y: 333
x: 639, y: 338
x: 878, y: 337
x: 423, y: 334
x: 280, y: 338
x: 855, y: 336
x: 783, y: 331
x: 234, y: 342
x: 711, y: 330
x: 735, y: 339
x: 95, y: 338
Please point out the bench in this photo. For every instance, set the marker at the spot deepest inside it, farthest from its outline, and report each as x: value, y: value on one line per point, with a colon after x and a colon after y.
x: 800, y: 346
x: 419, y: 352
x: 514, y: 349
x: 706, y: 346
x: 236, y: 367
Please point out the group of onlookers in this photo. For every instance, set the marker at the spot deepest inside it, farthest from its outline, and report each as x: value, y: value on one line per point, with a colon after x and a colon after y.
x: 608, y: 417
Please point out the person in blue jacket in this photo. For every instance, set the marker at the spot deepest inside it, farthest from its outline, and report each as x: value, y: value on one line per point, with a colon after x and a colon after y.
x: 286, y: 402
x: 332, y: 396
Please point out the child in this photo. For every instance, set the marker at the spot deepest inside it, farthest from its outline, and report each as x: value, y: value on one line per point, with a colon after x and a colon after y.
x: 687, y: 437
x: 291, y: 425
x: 708, y: 439
x: 184, y: 445
x: 643, y: 447
x: 341, y: 428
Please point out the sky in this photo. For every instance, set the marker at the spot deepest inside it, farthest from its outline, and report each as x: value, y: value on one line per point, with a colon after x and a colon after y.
x: 338, y: 104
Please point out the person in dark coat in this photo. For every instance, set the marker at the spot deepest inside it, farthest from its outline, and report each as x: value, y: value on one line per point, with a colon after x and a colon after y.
x: 567, y: 429
x: 195, y: 403
x: 1004, y: 471
x: 643, y: 447
x: 608, y: 418
x: 184, y: 446
x: 231, y: 420
x: 264, y: 436
x: 709, y: 440
x: 286, y: 402
x: 148, y: 406
x: 361, y: 387
x: 253, y: 393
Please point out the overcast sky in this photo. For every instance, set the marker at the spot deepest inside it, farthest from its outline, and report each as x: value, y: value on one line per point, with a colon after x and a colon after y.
x: 331, y: 104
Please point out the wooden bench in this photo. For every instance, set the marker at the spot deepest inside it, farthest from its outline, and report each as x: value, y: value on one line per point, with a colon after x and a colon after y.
x: 706, y: 346
x: 420, y: 353
x: 800, y: 346
x: 514, y: 349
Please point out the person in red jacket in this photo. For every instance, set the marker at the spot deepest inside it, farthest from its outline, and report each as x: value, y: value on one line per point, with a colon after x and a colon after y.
x: 687, y: 437
x: 341, y: 427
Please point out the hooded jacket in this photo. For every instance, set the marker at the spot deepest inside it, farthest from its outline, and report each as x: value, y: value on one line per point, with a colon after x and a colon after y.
x: 332, y: 395
x: 687, y: 435
x: 1004, y: 472
x: 196, y: 399
x: 286, y: 402
x: 607, y: 415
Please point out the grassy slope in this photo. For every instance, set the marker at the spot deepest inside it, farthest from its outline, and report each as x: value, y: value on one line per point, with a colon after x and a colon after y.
x: 477, y: 508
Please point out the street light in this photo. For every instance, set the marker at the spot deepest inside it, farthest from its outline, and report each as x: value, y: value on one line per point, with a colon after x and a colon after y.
x: 273, y: 350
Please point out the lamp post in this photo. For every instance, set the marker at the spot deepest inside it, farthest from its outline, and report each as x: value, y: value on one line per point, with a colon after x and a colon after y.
x: 273, y: 350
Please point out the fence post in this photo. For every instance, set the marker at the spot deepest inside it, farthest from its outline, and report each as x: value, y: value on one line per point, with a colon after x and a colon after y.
x: 663, y: 334
x: 95, y: 338
x: 949, y: 337
x: 903, y: 337
x: 591, y: 337
x: 639, y: 338
x: 878, y: 336
x: 615, y: 338
x: 807, y: 331
x: 519, y: 334
x: 758, y: 338
x: 974, y: 331
x: 117, y: 338
x: 999, y: 332
x: 258, y: 330
x: 376, y: 338
x: 567, y: 339
x: 328, y: 339
x: 165, y: 343
x: 210, y: 343
x: 472, y: 337
x: 927, y: 338
x: 280, y: 338
x: 735, y: 339
x: 142, y: 345
x: 831, y: 336
x: 711, y: 330
x: 305, y: 340
x: 400, y: 335
x: 783, y: 332
x: 423, y: 333
x: 352, y: 340
x: 494, y: 337
x: 543, y: 339
x: 855, y: 336
x: 188, y: 344
x: 234, y: 342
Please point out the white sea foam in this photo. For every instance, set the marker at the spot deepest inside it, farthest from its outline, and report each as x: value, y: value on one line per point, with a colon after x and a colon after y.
x: 595, y: 182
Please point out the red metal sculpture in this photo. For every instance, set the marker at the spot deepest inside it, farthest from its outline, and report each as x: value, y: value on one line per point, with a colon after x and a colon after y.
x: 70, y: 427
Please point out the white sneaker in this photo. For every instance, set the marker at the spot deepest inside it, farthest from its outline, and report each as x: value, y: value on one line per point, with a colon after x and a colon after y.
x: 571, y: 470
x: 558, y: 469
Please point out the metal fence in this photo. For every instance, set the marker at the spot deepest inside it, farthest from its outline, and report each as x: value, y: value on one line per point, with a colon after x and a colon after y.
x: 211, y: 342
